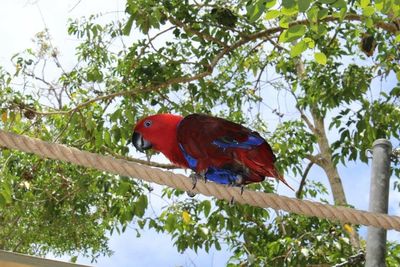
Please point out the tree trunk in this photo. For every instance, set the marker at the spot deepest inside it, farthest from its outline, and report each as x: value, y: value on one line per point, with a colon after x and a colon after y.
x: 327, y: 164
x: 331, y: 171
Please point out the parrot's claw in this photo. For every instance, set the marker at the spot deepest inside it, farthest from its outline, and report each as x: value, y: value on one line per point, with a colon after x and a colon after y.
x: 190, y: 193
x: 197, y: 176
x: 241, y: 189
x: 232, y: 201
x: 239, y: 179
x: 237, y: 182
x: 194, y: 177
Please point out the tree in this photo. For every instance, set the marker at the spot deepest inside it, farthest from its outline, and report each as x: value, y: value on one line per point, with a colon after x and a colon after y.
x: 324, y: 58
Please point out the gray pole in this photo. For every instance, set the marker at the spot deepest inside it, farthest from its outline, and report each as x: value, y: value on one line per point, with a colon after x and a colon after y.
x: 378, y: 201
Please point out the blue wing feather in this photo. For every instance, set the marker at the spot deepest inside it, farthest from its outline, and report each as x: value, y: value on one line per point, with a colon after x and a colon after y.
x: 221, y: 176
x: 251, y: 142
x: 192, y: 162
x: 217, y: 175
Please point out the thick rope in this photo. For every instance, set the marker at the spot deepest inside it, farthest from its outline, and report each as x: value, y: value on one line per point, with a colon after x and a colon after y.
x: 259, y: 199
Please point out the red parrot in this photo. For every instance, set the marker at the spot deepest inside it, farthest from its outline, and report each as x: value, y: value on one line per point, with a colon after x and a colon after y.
x: 220, y: 150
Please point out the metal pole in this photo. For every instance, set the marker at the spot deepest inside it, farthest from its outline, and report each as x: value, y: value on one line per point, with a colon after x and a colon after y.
x: 378, y: 201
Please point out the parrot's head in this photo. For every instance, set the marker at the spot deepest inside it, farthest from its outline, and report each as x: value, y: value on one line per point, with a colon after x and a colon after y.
x: 157, y: 132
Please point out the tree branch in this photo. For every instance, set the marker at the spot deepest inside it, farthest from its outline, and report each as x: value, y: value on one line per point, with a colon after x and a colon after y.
x: 391, y: 27
x: 202, y: 35
x: 150, y: 39
x: 316, y: 159
x: 303, y: 179
x: 144, y: 162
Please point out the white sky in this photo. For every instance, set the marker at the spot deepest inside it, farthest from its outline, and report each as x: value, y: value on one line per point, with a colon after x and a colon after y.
x: 20, y: 20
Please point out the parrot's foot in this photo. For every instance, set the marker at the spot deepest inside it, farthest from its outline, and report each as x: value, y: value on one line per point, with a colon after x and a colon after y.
x: 190, y: 194
x: 232, y: 201
x: 197, y: 176
x: 237, y: 182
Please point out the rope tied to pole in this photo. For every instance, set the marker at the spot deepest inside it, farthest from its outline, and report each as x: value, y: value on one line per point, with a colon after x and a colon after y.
x: 178, y: 181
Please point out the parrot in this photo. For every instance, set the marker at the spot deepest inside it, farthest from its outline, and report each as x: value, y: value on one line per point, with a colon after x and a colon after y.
x: 214, y: 148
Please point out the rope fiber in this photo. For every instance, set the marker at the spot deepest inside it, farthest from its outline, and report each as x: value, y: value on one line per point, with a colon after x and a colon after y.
x: 259, y: 199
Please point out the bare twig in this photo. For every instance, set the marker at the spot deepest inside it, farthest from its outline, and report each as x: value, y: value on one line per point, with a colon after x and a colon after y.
x: 303, y: 179
x: 352, y: 260
x: 75, y: 5
x: 145, y: 162
x: 150, y: 39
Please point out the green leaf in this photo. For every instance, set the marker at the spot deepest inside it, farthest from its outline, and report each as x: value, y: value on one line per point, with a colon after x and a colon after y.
x: 379, y: 4
x: 398, y: 75
x: 304, y: 5
x: 98, y: 138
x: 128, y: 26
x: 206, y: 207
x: 272, y: 14
x: 369, y: 22
x: 170, y: 223
x: 322, y: 13
x: 254, y: 11
x: 73, y: 259
x: 284, y: 22
x: 327, y: 1
x: 217, y: 245
x: 298, y: 48
x: 310, y: 42
x: 364, y: 3
x: 288, y: 3
x: 342, y: 14
x: 3, y: 202
x: 368, y: 11
x: 141, y: 205
x: 340, y: 4
x: 293, y: 33
x: 320, y: 58
x: 320, y: 29
x: 94, y: 75
x: 290, y: 11
x: 397, y: 39
x: 107, y: 138
x: 123, y: 188
x: 130, y: 116
x: 6, y: 193
x: 270, y: 3
x: 312, y: 14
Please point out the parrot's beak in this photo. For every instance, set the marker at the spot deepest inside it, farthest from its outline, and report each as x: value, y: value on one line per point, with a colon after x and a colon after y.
x: 140, y: 143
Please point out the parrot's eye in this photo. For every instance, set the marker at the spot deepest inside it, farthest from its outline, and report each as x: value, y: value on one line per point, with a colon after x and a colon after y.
x: 148, y: 123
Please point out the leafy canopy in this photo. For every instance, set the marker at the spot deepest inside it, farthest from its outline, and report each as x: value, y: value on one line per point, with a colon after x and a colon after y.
x: 333, y: 67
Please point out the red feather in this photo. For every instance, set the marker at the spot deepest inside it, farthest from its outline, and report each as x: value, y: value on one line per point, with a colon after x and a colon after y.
x: 197, y: 134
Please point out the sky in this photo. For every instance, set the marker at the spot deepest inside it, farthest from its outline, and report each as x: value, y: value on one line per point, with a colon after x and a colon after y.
x: 22, y: 19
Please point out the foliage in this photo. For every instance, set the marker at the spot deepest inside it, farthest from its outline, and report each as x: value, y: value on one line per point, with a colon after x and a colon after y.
x: 332, y: 66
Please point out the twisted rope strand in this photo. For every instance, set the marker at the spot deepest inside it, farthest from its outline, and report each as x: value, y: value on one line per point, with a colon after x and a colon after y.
x: 259, y: 199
